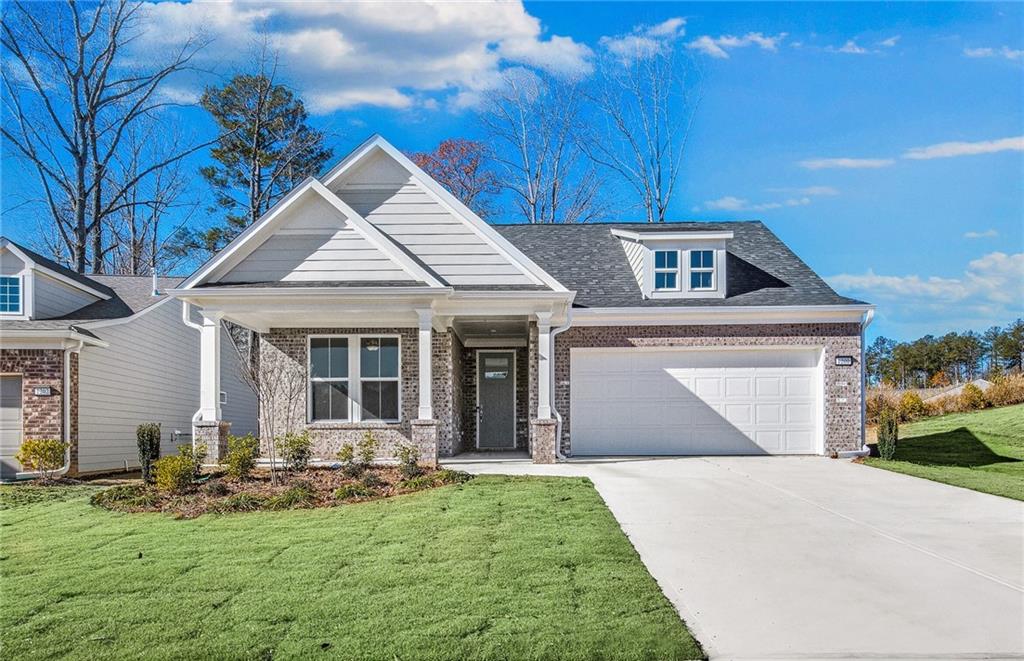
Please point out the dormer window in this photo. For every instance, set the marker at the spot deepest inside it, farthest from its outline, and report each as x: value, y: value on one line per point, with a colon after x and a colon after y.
x: 666, y: 270
x: 10, y: 294
x: 702, y: 270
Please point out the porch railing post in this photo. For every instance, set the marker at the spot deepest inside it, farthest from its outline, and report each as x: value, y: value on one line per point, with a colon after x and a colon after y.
x: 544, y: 365
x: 426, y: 408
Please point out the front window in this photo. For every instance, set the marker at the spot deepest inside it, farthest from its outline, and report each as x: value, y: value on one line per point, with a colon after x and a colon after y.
x: 10, y: 294
x: 666, y: 270
x: 354, y: 379
x: 702, y: 269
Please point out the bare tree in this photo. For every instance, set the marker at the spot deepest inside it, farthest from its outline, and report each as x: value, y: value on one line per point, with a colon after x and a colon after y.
x: 279, y: 382
x: 72, y: 92
x: 645, y: 101
x: 532, y: 122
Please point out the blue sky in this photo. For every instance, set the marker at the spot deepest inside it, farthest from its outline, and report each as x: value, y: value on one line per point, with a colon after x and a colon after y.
x: 882, y: 142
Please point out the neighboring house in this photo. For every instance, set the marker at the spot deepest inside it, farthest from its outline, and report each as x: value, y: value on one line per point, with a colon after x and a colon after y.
x: 89, y: 358
x: 407, y: 315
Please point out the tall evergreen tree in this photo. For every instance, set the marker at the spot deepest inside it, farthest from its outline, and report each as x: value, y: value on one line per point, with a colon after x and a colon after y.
x: 266, y: 147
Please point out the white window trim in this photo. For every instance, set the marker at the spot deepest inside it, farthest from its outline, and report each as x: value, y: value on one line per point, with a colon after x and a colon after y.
x: 677, y: 270
x: 20, y: 277
x: 354, y: 380
x: 713, y: 270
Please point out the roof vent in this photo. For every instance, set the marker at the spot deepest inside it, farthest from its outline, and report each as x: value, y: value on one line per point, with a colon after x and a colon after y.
x: 156, y: 287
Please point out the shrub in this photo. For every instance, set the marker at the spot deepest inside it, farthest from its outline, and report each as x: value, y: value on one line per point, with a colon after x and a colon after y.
x: 888, y: 433
x: 971, y: 398
x: 174, y: 473
x: 299, y: 494
x: 354, y: 490
x: 417, y: 483
x: 373, y: 481
x: 1006, y: 390
x: 242, y: 502
x: 43, y: 455
x: 126, y: 496
x: 296, y: 450
x: 347, y: 456
x: 215, y: 489
x: 147, y: 437
x: 877, y: 400
x: 944, y: 405
x: 408, y: 457
x: 197, y: 455
x: 242, y: 453
x: 366, y: 449
x: 449, y: 476
x: 911, y: 407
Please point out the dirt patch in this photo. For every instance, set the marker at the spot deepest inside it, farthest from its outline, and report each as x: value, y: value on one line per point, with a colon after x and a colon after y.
x: 315, y: 487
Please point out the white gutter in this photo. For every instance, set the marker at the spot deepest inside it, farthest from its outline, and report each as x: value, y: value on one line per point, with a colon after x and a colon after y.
x: 551, y: 388
x: 869, y: 315
x: 66, y: 406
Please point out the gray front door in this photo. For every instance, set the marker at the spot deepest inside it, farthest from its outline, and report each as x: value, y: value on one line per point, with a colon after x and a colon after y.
x: 496, y: 399
x: 10, y: 425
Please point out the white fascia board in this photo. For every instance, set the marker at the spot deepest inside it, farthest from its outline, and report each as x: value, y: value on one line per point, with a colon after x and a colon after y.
x: 60, y: 277
x: 101, y: 323
x: 707, y: 315
x: 55, y: 338
x: 528, y: 267
x: 672, y: 236
x: 210, y: 293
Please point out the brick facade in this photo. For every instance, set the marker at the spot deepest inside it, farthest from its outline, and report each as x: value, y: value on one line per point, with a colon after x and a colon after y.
x: 842, y: 418
x: 43, y: 415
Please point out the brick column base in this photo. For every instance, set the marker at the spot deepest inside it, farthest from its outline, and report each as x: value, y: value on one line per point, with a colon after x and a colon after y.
x: 542, y: 441
x: 424, y: 437
x: 215, y: 435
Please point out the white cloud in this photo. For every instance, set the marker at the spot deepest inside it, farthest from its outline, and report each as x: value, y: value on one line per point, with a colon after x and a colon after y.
x: 847, y: 163
x: 987, y: 234
x: 1005, y: 51
x: 732, y: 203
x: 950, y: 149
x: 890, y: 42
x: 850, y: 48
x: 344, y: 54
x: 719, y: 46
x: 645, y: 40
x: 990, y: 284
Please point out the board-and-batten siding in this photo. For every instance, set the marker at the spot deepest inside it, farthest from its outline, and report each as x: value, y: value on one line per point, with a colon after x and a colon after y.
x: 149, y: 373
x: 315, y: 243
x: 55, y: 299
x: 635, y: 257
x: 385, y: 194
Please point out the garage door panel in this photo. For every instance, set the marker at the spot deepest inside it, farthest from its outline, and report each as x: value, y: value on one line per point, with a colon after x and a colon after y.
x: 637, y: 401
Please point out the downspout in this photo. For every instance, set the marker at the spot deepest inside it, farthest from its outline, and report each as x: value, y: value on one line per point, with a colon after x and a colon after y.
x: 551, y: 389
x: 185, y: 309
x: 868, y: 316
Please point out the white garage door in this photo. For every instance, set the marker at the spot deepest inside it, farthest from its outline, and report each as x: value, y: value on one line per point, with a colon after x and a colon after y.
x: 695, y: 402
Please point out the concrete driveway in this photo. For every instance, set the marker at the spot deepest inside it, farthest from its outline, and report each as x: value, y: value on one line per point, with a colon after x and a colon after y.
x: 771, y: 557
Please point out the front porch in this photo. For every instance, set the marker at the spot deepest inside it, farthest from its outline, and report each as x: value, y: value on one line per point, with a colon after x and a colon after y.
x: 457, y: 379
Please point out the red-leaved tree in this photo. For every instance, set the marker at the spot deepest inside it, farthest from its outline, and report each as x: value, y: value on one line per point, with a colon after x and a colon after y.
x: 463, y: 167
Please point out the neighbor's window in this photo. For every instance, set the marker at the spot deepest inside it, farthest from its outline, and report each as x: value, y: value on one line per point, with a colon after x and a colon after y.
x: 666, y: 270
x: 378, y: 378
x: 702, y: 269
x: 10, y: 294
x: 328, y: 376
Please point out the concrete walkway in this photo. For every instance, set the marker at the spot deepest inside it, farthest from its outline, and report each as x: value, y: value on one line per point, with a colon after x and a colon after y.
x: 796, y: 558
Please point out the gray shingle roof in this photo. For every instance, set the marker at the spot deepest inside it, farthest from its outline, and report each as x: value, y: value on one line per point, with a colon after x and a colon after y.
x: 48, y: 263
x: 589, y: 259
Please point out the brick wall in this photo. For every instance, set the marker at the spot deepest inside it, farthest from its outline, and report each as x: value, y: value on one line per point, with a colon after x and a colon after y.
x: 842, y: 419
x: 290, y: 345
x: 43, y: 415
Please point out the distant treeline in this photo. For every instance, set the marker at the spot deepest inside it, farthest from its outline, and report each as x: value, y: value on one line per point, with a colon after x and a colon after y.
x: 953, y: 358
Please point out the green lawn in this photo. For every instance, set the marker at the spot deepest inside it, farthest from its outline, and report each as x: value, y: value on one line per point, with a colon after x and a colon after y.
x: 983, y: 450
x: 498, y: 568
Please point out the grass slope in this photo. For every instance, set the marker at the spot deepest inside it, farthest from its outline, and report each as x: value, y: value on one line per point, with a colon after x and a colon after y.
x: 499, y: 568
x: 982, y: 450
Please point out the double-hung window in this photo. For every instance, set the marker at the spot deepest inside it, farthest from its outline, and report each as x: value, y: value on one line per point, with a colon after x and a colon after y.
x: 702, y: 269
x: 10, y: 294
x: 354, y: 378
x: 666, y: 270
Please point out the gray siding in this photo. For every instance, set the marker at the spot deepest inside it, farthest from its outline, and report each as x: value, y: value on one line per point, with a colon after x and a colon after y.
x: 315, y: 243
x: 385, y: 194
x: 149, y: 373
x: 10, y: 264
x: 55, y: 299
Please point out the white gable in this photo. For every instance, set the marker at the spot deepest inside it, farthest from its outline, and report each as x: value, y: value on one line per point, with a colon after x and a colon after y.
x: 386, y: 193
x: 315, y: 241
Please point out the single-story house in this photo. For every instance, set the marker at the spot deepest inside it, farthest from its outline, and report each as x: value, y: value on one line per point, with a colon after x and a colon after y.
x: 401, y: 312
x: 88, y: 358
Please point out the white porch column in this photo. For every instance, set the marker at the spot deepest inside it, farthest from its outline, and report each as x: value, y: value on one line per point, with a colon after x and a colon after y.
x: 209, y: 368
x: 426, y: 408
x: 544, y: 350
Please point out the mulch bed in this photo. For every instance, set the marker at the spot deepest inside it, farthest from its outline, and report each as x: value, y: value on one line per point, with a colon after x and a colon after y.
x: 314, y: 487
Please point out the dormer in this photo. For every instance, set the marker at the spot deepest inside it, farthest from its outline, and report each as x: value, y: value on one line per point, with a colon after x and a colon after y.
x: 34, y: 287
x: 677, y: 264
